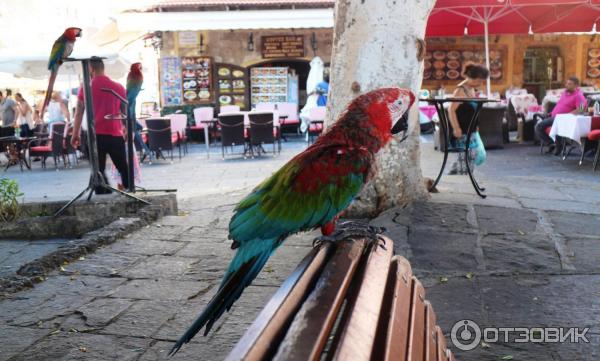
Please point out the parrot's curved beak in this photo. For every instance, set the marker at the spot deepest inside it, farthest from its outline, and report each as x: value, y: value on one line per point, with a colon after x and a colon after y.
x: 401, y: 125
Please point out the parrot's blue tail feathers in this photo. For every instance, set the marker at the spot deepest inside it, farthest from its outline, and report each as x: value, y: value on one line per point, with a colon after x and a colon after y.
x: 234, y: 283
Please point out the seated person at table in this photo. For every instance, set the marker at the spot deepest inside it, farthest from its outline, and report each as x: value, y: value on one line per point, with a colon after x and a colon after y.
x: 571, y: 101
x: 460, y: 114
x: 57, y: 109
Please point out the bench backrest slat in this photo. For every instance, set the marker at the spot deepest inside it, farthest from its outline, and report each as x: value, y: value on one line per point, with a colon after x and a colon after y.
x: 441, y: 342
x: 309, y: 332
x: 416, y: 336
x: 396, y: 330
x: 271, y: 324
x: 357, y: 335
x: 430, y: 335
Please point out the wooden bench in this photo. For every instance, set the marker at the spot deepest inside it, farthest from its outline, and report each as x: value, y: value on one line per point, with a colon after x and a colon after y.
x: 347, y: 301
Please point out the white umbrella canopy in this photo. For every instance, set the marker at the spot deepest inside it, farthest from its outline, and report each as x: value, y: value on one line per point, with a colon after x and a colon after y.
x: 33, y: 63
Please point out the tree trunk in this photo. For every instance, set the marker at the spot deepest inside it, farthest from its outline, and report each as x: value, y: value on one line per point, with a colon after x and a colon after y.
x: 377, y: 44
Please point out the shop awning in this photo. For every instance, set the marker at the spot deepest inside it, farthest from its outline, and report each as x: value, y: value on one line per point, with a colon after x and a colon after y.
x: 485, y: 17
x: 226, y: 20
x: 458, y: 17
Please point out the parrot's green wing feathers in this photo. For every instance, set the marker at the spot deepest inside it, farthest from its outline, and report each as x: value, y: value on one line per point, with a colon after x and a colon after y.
x: 56, y: 54
x: 306, y: 192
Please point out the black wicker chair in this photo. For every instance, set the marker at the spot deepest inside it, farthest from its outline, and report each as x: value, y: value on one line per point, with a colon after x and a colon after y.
x: 232, y: 132
x: 54, y: 145
x: 160, y: 137
x: 491, y: 126
x: 263, y: 132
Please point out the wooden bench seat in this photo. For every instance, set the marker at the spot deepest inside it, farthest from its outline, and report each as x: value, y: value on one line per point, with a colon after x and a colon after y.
x: 350, y: 300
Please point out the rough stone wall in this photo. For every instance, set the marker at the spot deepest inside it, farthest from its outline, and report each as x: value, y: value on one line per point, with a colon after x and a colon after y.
x: 232, y: 46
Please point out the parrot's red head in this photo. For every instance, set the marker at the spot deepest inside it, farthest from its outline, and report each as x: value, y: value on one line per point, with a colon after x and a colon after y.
x: 385, y: 108
x: 136, y: 67
x: 72, y: 33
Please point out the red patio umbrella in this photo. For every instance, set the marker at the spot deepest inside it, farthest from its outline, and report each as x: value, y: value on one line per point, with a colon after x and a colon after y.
x: 484, y: 17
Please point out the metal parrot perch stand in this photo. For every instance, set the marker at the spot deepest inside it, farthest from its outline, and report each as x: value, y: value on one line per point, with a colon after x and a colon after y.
x: 96, y: 178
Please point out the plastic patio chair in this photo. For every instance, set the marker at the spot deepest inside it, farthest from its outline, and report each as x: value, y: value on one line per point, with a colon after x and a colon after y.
x: 593, y: 136
x: 317, y: 118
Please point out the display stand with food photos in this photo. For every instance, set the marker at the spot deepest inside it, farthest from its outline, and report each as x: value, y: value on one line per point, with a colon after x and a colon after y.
x: 593, y: 63
x: 269, y: 85
x: 232, y: 85
x: 197, y: 79
x: 444, y: 64
x: 170, y: 81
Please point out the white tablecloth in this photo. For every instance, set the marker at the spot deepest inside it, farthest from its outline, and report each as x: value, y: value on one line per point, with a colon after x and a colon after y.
x: 571, y: 126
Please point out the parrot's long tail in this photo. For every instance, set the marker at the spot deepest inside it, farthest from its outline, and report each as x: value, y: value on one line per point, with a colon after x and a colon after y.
x: 53, y: 74
x: 131, y: 108
x: 243, y: 269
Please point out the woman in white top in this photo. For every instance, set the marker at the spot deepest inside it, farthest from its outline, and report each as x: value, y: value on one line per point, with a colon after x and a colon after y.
x: 24, y: 116
x: 57, y: 110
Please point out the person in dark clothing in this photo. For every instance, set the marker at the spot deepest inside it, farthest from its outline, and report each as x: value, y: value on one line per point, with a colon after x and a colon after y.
x: 109, y: 132
x: 460, y: 114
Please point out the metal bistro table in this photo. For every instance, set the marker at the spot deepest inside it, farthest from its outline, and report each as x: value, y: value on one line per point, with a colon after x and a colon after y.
x: 16, y: 155
x: 445, y: 125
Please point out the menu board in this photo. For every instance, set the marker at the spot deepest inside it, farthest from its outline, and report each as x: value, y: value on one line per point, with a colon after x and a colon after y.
x: 285, y: 46
x: 170, y: 81
x: 197, y: 79
x: 593, y: 63
x: 269, y: 85
x: 232, y: 85
x: 448, y: 64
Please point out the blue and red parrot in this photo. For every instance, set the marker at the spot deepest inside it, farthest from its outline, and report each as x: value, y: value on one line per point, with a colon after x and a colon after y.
x: 62, y: 48
x: 133, y: 87
x: 309, y: 191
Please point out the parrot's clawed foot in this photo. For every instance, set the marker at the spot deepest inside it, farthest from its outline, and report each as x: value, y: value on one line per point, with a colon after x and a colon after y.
x: 318, y: 241
x: 354, y: 229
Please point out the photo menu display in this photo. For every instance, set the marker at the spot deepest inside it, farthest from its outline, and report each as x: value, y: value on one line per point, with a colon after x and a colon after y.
x: 197, y: 79
x: 170, y: 81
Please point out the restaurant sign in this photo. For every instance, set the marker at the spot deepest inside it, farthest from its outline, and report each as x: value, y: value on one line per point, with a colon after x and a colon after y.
x: 284, y: 46
x: 188, y: 38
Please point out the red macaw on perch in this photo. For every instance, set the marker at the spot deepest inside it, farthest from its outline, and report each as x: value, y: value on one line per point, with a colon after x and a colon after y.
x: 309, y: 191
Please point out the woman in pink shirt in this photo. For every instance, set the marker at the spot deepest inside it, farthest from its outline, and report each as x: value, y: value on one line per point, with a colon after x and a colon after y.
x: 570, y: 102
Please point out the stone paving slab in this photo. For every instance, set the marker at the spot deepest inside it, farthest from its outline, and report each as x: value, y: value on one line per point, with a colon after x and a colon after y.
x: 78, y: 346
x: 570, y: 224
x: 585, y: 253
x: 530, y: 253
x: 14, y: 254
x: 501, y: 220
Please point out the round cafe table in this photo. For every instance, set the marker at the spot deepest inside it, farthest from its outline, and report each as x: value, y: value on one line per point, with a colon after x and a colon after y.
x: 445, y: 125
x: 16, y: 154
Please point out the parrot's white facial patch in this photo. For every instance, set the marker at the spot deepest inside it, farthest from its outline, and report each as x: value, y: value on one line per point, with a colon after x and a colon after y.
x: 399, y: 107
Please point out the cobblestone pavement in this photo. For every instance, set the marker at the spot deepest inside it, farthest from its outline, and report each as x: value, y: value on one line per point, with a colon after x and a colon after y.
x: 525, y: 256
